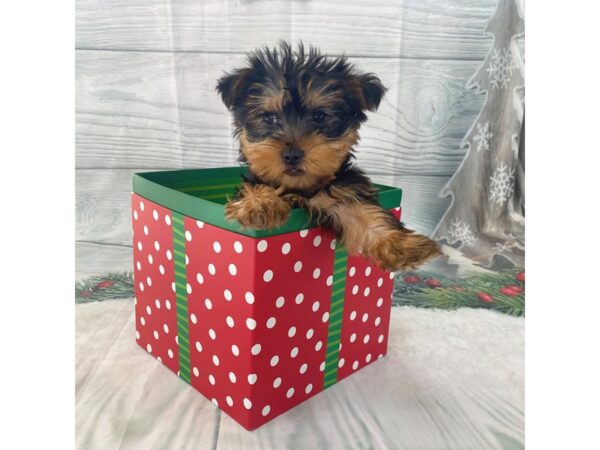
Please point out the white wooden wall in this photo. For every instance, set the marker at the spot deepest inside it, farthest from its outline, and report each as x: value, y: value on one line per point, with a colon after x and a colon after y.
x: 145, y: 98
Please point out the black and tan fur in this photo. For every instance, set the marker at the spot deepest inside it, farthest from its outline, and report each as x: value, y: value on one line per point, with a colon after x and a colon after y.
x: 297, y: 116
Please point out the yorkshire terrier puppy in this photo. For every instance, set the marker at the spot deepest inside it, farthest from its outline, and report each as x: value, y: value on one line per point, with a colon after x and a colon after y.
x: 297, y: 116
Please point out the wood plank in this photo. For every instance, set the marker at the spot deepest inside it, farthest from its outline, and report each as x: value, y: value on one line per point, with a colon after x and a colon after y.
x: 152, y: 110
x: 103, y: 213
x: 438, y: 29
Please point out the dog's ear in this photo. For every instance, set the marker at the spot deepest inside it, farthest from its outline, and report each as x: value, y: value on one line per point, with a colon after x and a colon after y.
x: 232, y: 86
x: 369, y: 90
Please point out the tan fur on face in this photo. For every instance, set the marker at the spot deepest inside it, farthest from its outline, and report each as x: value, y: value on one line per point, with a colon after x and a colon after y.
x: 320, y: 97
x: 322, y: 159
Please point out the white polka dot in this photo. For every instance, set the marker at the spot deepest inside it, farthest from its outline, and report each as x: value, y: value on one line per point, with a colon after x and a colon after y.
x: 355, y: 289
x: 196, y: 371
x: 317, y: 240
x: 170, y: 353
x: 315, y: 306
x: 380, y: 338
x: 303, y: 368
x: 308, y: 388
x: 298, y: 266
x: 199, y: 278
x: 212, y: 334
x: 280, y: 302
x: 229, y: 400
x: 156, y: 246
x: 251, y: 323
x: 277, y: 382
x: 135, y: 215
x: 211, y: 269
x: 230, y: 322
x: 368, y: 358
x: 303, y: 233
x: 322, y: 366
x: 268, y: 275
x: 352, y: 271
x: 377, y: 321
x: 247, y: 403
x: 285, y: 248
x: 215, y: 402
x: 215, y: 360
x: 141, y: 285
x: 149, y: 281
x: 168, y: 219
x: 266, y: 410
x: 189, y: 288
x: 232, y: 269
x: 262, y: 245
x: 137, y: 334
x: 367, y: 291
x: 299, y: 298
x: 325, y: 317
x: 274, y: 361
x: 379, y: 302
x: 255, y: 350
x: 211, y: 379
x: 149, y: 348
x: 168, y: 304
x: 294, y: 352
x: 238, y: 247
x: 150, y: 259
x: 208, y: 304
x: 198, y: 346
x: 379, y: 282
x: 353, y: 337
x: 292, y: 332
x: 148, y: 309
x: 140, y: 246
x: 316, y: 273
x: 157, y: 303
x: 365, y: 317
x: 368, y: 271
x: 289, y: 393
x: 232, y: 377
x: 353, y: 315
x: 193, y: 318
x: 355, y: 365
x: 188, y: 236
x: 142, y: 320
x: 161, y: 269
x: 199, y: 224
x: 177, y: 340
x: 252, y: 378
x: 329, y: 280
x: 318, y: 346
x: 366, y: 338
x: 235, y: 350
x: 155, y: 333
x: 310, y: 333
x: 169, y: 255
x: 249, y: 297
x: 227, y: 295
x: 138, y: 265
x: 392, y: 275
x: 217, y: 247
x: 271, y: 322
x: 145, y: 230
x: 332, y: 244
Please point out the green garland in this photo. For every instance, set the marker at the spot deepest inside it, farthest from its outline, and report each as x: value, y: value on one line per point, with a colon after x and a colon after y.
x: 501, y: 291
x: 110, y: 286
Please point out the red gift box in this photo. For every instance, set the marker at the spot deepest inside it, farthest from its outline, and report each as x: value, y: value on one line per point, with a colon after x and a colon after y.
x: 257, y: 321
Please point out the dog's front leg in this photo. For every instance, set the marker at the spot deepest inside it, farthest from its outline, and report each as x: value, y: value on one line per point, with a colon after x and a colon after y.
x: 258, y: 206
x: 367, y: 229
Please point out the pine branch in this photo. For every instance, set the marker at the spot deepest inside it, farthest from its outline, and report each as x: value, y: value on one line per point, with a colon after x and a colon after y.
x: 98, y: 288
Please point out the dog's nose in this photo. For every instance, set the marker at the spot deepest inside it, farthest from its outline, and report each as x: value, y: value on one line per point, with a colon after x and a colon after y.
x: 292, y: 155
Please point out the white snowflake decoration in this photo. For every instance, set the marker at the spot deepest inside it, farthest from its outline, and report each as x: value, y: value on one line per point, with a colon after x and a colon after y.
x: 461, y: 231
x: 483, y: 137
x: 500, y: 247
x: 500, y: 68
x: 502, y: 184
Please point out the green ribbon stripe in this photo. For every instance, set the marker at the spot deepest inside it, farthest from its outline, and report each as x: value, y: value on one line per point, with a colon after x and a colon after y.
x: 181, y: 295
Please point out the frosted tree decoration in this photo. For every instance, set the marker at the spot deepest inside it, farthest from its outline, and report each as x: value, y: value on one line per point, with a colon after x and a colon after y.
x: 487, y: 214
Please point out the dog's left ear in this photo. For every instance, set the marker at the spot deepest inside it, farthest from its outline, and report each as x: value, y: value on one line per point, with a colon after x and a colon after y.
x: 232, y: 86
x: 369, y: 91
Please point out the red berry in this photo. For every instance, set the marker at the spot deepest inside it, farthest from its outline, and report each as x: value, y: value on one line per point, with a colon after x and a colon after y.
x: 520, y: 277
x: 412, y: 279
x: 104, y: 284
x: 86, y: 293
x: 514, y: 287
x: 506, y: 290
x: 433, y: 283
x: 485, y: 297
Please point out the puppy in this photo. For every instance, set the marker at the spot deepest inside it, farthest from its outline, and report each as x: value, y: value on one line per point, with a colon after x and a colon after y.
x: 297, y: 115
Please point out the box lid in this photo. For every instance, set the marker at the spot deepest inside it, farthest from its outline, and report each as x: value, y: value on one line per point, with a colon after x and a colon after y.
x: 203, y: 193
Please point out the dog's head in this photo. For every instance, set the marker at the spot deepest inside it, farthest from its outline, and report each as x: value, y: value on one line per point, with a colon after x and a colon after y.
x: 297, y: 113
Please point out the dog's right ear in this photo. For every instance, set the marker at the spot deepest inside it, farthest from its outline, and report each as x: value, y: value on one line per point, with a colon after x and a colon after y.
x: 232, y: 86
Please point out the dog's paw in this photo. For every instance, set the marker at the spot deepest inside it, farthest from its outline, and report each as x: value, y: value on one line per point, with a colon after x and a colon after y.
x: 258, y: 207
x: 401, y: 250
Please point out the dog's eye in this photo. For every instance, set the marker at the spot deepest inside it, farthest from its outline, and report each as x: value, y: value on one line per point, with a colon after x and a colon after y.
x: 269, y: 118
x: 319, y: 116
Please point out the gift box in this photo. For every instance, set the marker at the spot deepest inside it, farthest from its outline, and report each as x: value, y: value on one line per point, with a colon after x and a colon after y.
x: 258, y: 321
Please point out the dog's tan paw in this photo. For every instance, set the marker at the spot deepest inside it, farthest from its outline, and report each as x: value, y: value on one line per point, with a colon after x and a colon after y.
x: 258, y: 207
x: 401, y: 250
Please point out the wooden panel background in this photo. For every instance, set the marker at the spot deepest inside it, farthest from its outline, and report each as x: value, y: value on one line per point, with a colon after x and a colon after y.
x: 145, y: 98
